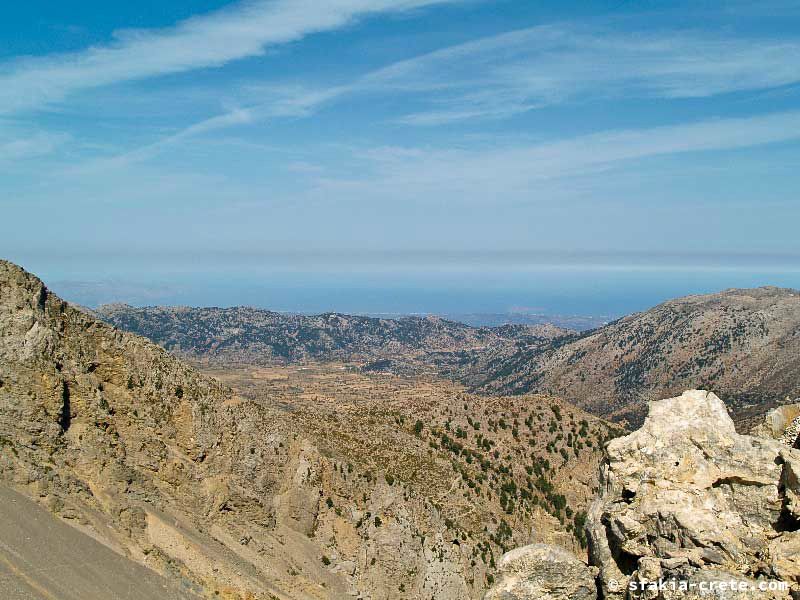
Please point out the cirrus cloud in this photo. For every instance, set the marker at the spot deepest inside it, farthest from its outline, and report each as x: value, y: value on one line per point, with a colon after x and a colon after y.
x: 244, y: 30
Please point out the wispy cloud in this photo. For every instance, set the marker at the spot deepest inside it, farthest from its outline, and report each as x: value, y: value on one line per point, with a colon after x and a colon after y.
x: 512, y: 73
x: 20, y: 146
x: 517, y: 71
x: 489, y: 78
x: 211, y: 40
x: 275, y: 103
x: 427, y: 172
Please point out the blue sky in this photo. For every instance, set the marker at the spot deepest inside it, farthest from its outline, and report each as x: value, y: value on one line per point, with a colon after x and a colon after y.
x: 338, y: 135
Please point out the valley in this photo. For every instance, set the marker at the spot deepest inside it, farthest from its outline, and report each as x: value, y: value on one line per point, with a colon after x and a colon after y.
x: 744, y: 344
x: 357, y: 458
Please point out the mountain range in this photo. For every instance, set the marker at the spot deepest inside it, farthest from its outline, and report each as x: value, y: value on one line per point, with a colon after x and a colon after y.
x: 744, y: 344
x: 300, y: 464
x: 257, y: 336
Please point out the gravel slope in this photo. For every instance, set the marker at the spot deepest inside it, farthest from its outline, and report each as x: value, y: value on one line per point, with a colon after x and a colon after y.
x: 43, y: 558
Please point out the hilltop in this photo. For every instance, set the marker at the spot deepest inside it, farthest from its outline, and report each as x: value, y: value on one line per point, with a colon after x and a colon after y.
x: 257, y: 336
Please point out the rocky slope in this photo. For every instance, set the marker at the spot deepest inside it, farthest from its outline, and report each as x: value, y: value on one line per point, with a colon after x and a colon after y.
x: 687, y: 508
x: 44, y: 558
x: 743, y: 344
x: 238, y: 495
x: 255, y: 336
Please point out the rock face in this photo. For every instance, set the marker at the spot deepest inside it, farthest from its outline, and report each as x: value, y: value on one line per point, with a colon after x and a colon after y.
x: 781, y: 423
x: 687, y: 499
x: 542, y: 572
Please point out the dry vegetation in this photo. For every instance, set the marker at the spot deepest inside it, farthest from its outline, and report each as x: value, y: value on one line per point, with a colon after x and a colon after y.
x: 498, y: 468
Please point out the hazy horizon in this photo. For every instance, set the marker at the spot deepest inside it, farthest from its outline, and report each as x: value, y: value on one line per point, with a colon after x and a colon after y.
x: 412, y: 156
x: 553, y: 165
x: 600, y: 291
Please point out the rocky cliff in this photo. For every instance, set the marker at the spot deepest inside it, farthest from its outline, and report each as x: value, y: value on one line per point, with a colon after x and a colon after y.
x: 113, y: 434
x: 688, y: 508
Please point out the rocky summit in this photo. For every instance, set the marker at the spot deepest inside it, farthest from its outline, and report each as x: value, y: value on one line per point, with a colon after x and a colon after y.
x: 688, y: 508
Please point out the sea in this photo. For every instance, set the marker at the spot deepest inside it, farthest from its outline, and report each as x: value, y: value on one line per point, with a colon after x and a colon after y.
x: 586, y: 295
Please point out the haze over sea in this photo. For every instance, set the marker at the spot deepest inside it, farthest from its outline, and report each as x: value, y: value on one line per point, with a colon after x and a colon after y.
x: 459, y: 285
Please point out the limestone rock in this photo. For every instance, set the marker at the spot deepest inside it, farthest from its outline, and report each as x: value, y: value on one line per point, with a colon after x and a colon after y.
x: 686, y: 498
x: 790, y: 482
x: 542, y: 572
x: 781, y: 423
x: 791, y: 436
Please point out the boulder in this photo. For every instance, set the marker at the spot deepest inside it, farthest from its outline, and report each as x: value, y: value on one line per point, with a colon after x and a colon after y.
x: 781, y: 423
x: 542, y: 572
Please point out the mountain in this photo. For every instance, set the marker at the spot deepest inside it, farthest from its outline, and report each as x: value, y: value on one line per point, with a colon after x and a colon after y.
x: 258, y: 336
x: 744, y: 344
x: 293, y: 484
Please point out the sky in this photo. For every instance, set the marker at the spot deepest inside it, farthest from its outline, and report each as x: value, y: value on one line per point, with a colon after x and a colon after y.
x: 302, y: 154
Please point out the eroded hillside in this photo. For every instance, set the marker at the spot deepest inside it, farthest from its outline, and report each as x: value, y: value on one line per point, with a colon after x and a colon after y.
x: 744, y: 344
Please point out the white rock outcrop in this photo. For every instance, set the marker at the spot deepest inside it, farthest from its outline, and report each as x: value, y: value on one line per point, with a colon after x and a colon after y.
x: 781, y: 423
x: 687, y: 499
x: 543, y: 572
